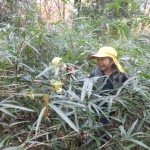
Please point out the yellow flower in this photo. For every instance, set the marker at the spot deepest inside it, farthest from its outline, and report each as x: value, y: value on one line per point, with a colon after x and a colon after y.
x: 30, y: 95
x: 56, y: 60
x: 57, y: 85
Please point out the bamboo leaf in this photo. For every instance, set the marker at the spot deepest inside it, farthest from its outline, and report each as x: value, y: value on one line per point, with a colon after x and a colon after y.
x: 102, y: 112
x: 123, y: 132
x: 64, y: 117
x: 76, y: 119
x: 70, y: 103
x: 27, y: 43
x: 90, y: 87
x: 6, y: 112
x: 43, y: 72
x: 3, y: 141
x: 74, y: 95
x: 14, y: 148
x: 16, y: 107
x: 29, y: 68
x: 16, y: 123
x: 84, y: 89
x: 132, y: 127
x: 39, y: 120
x: 109, y: 105
x: 139, y: 143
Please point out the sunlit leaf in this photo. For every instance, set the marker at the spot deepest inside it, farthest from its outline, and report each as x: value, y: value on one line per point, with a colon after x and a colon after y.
x: 16, y: 107
x: 39, y: 120
x: 27, y: 43
x: 123, y: 132
x: 70, y: 103
x: 43, y: 72
x: 84, y: 88
x: 132, y: 127
x: 90, y: 87
x: 6, y: 112
x: 14, y: 148
x: 64, y: 117
x: 139, y: 143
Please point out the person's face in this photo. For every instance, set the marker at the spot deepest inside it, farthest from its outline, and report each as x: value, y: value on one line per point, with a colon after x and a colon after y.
x: 105, y: 63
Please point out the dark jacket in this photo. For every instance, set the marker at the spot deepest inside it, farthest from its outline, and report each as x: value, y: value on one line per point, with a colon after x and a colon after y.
x: 108, y: 83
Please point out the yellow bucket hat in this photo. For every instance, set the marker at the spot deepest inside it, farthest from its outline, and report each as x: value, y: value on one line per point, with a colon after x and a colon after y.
x: 107, y: 51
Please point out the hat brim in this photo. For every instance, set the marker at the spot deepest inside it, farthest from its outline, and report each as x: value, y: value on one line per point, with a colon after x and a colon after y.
x: 98, y: 56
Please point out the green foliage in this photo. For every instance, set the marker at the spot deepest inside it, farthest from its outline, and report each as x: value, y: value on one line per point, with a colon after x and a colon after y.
x: 71, y: 119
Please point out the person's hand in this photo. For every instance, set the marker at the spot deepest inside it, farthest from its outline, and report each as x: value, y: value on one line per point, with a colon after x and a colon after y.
x: 70, y: 68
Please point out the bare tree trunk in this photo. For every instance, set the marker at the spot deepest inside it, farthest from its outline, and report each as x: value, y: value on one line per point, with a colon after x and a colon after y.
x: 144, y: 24
x: 77, y: 4
x: 97, y: 5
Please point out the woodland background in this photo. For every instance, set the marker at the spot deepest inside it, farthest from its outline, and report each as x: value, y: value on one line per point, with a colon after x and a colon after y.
x: 33, y: 114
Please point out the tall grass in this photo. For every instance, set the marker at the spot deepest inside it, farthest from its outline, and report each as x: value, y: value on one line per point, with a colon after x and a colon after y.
x: 35, y: 116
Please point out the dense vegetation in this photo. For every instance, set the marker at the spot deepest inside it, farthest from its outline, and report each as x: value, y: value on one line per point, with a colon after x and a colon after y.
x: 35, y: 115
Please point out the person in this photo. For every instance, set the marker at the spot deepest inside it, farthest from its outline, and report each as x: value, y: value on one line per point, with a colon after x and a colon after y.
x: 110, y: 76
x: 110, y: 72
